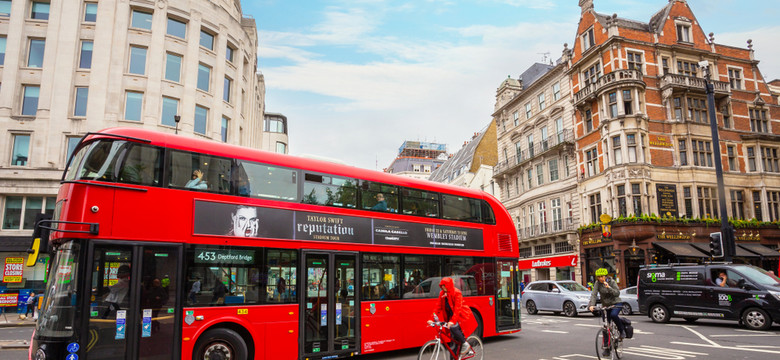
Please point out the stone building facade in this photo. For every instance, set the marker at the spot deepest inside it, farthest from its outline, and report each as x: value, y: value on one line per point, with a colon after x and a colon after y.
x: 70, y: 67
x: 643, y: 134
x: 536, y: 169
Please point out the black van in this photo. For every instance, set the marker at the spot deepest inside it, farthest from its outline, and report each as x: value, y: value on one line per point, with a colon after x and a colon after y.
x: 748, y: 294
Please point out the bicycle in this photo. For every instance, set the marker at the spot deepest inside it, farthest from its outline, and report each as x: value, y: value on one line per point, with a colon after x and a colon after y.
x: 612, y: 343
x: 434, y: 349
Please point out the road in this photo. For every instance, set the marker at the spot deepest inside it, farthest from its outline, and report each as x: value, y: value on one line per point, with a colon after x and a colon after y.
x: 14, y: 336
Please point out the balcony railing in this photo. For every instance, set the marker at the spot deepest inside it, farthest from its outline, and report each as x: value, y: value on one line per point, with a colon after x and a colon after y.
x: 590, y: 90
x: 539, y: 148
x: 693, y: 83
x: 547, y: 228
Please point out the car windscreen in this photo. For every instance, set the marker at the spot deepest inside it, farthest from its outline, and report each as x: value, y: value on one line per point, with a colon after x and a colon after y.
x: 572, y: 286
x: 759, y: 276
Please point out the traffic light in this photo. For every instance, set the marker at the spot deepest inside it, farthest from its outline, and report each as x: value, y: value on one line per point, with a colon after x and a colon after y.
x: 716, y: 245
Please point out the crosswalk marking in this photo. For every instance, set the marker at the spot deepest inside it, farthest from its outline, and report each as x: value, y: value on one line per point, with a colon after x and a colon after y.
x: 730, y: 348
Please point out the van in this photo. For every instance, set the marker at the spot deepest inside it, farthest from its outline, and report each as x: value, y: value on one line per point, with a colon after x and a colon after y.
x: 750, y: 295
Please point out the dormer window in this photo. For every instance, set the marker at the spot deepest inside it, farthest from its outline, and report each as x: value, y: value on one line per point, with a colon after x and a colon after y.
x: 684, y: 32
x: 588, y: 40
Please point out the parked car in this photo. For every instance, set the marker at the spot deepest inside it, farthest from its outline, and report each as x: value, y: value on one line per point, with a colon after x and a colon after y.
x: 747, y: 294
x: 568, y: 297
x: 629, y: 297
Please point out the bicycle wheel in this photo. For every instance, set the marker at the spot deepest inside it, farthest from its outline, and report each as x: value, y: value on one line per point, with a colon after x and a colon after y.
x: 476, y: 349
x: 432, y: 350
x: 617, y: 343
x: 603, y: 352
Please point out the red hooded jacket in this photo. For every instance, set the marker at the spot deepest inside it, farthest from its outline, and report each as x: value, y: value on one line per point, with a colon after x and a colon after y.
x: 461, y: 313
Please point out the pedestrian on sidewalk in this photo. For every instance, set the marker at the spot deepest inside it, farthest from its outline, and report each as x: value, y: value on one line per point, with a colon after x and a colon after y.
x: 32, y: 303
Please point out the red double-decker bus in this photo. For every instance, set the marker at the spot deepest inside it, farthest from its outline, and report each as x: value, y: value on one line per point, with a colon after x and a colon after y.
x: 171, y: 247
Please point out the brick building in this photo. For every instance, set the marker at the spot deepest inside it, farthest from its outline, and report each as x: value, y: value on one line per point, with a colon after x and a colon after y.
x: 643, y: 140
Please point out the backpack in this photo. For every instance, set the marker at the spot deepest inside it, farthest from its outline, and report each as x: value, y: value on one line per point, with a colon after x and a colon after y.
x: 628, y: 327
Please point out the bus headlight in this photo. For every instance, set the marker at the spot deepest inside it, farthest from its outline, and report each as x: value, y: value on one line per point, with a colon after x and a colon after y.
x: 40, y: 354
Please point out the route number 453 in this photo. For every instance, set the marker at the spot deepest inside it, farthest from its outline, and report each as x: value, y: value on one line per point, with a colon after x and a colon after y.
x: 207, y: 256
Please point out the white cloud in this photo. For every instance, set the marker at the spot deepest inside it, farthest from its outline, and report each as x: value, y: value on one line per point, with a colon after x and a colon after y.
x: 532, y: 4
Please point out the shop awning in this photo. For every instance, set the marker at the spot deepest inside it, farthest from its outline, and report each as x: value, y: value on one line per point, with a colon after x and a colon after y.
x: 740, y: 252
x: 759, y: 249
x: 681, y: 249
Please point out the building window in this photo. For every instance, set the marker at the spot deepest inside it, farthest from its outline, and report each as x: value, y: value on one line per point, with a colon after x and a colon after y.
x: 30, y: 100
x: 595, y: 207
x: 688, y: 199
x: 172, y: 67
x: 39, y: 11
x: 5, y: 8
x: 224, y: 129
x: 737, y: 204
x: 21, y: 150
x: 592, y: 74
x: 80, y: 107
x: 90, y: 12
x: 204, y: 77
x: 206, y: 40
x: 201, y: 118
x: 635, y: 61
x: 170, y: 108
x: 540, y: 174
x: 687, y: 68
x: 588, y: 40
x: 683, y: 33
x: 665, y: 65
x: 141, y: 20
x: 3, y: 41
x: 592, y: 158
x: 757, y: 213
x: 177, y: 28
x: 732, y: 158
x: 613, y: 109
x: 735, y: 78
x: 226, y: 90
x: 133, y: 105
x: 85, y: 59
x: 616, y: 150
x: 556, y: 91
x: 773, y: 200
x: 525, y: 252
x: 628, y: 105
x: 541, y: 101
x: 229, y: 51
x: 557, y: 219
x: 530, y: 179
x: 726, y: 117
x: 697, y: 110
x: 543, y: 226
x: 137, y: 60
x: 566, y: 165
x: 563, y: 247
x: 708, y: 201
x: 20, y: 211
x: 702, y: 153
x: 516, y: 117
x: 751, y: 155
x: 530, y: 141
x: 770, y: 159
x: 35, y: 56
x: 677, y: 103
x: 631, y: 142
x: 71, y: 143
x: 681, y: 145
x: 528, y: 111
x: 416, y: 167
x: 621, y: 198
x: 545, y: 249
x: 553, y: 165
x: 274, y: 125
x: 545, y: 139
x: 636, y: 199
x: 758, y: 120
x: 281, y: 147
x: 588, y: 121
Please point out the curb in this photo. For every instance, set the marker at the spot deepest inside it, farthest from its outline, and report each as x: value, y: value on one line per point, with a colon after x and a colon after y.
x: 20, y: 324
x: 20, y: 347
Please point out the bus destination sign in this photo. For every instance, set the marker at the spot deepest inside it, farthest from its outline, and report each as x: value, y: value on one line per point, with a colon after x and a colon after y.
x: 249, y: 221
x: 224, y: 256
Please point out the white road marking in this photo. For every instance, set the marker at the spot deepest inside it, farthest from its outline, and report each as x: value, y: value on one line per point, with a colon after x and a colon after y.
x: 745, y: 335
x: 570, y: 356
x: 758, y: 346
x: 589, y: 325
x: 714, y: 344
x: 555, y: 332
x: 637, y: 331
x: 734, y: 348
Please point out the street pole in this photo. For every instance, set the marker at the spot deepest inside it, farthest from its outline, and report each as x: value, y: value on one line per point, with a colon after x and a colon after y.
x: 727, y: 233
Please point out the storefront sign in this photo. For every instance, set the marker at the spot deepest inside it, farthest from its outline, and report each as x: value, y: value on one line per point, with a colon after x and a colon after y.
x: 8, y: 299
x: 13, y: 270
x: 660, y: 141
x: 673, y: 236
x: 667, y: 199
x: 258, y: 222
x: 556, y: 261
x: 749, y: 237
x: 599, y: 240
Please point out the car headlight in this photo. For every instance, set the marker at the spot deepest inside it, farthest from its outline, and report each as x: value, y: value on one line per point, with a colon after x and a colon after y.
x: 776, y: 294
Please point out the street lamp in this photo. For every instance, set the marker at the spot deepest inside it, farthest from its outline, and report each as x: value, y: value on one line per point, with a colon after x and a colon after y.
x: 725, y: 228
x: 176, y: 119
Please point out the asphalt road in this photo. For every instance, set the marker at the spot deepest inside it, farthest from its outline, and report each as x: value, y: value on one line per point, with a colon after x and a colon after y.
x: 14, y: 336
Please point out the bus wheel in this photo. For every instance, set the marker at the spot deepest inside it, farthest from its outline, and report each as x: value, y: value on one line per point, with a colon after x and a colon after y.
x: 220, y: 344
x: 478, y: 331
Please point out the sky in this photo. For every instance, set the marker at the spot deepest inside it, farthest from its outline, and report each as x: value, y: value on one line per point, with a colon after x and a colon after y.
x: 356, y: 78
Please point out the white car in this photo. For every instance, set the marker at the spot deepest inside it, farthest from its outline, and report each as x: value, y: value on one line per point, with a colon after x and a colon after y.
x: 629, y: 297
x: 568, y: 297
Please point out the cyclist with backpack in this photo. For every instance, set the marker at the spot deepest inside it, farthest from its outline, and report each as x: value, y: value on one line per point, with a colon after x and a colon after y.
x: 610, y: 295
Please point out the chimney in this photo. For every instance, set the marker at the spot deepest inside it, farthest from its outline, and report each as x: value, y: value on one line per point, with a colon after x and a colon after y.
x: 586, y: 5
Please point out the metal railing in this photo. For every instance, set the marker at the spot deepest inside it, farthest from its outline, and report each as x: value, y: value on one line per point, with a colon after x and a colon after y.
x: 547, y: 228
x: 539, y: 148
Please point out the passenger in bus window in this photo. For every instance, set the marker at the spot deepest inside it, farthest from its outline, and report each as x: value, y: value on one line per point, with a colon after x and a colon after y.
x: 245, y: 222
x: 197, y: 181
x: 243, y: 186
x: 381, y: 204
x: 117, y: 297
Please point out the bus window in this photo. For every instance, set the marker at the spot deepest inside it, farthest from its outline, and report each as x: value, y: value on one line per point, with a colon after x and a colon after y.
x: 373, y: 193
x: 258, y: 180
x: 488, y: 217
x: 281, y: 269
x: 420, y: 203
x: 464, y: 271
x: 419, y: 272
x: 380, y: 277
x: 200, y: 172
x: 141, y: 164
x: 330, y: 190
x: 98, y: 161
x: 223, y: 275
x: 461, y: 208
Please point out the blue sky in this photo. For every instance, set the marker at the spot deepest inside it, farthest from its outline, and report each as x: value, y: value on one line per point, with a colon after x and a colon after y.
x: 356, y: 78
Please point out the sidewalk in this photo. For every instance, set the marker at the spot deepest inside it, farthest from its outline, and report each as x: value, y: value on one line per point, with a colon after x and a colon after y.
x: 14, y: 320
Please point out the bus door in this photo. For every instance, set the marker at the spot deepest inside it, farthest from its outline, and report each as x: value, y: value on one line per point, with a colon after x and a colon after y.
x: 508, y: 295
x: 329, y: 304
x: 133, y: 307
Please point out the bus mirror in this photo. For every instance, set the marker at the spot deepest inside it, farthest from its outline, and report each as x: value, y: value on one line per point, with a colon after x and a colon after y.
x: 32, y: 256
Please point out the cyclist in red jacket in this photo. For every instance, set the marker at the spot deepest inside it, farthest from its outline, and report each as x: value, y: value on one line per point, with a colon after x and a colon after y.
x: 456, y: 314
